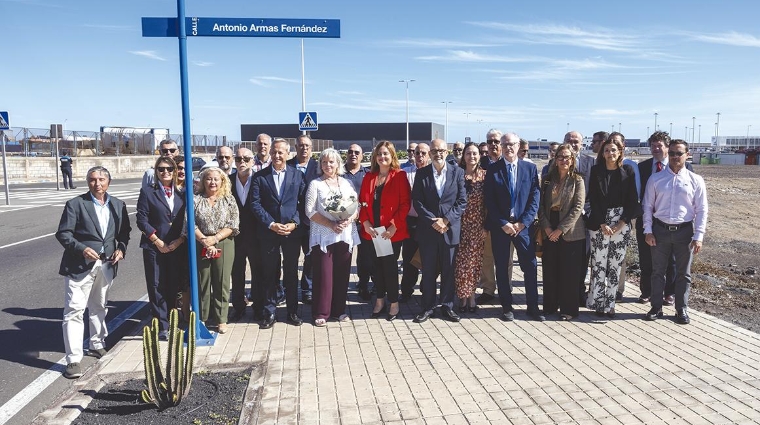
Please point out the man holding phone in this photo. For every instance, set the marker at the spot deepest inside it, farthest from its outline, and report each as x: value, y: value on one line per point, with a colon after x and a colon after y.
x: 94, y: 230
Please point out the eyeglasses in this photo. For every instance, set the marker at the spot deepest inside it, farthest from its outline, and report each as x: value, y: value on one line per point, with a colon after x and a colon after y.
x: 492, y: 141
x: 457, y: 149
x: 226, y: 158
x: 165, y: 169
x: 676, y: 154
x: 420, y: 153
x: 243, y: 159
x: 350, y: 152
x: 410, y: 150
x: 170, y: 150
x: 438, y: 151
x: 563, y: 157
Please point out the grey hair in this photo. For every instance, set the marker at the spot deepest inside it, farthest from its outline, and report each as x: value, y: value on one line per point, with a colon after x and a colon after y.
x: 494, y: 132
x: 332, y: 154
x: 99, y: 169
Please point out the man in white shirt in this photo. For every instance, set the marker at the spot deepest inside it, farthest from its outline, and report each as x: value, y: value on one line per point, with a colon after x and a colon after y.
x: 675, y: 220
x: 411, y: 273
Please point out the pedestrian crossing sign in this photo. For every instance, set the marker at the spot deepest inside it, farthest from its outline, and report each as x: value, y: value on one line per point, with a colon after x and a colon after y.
x: 307, y: 121
x: 4, y: 122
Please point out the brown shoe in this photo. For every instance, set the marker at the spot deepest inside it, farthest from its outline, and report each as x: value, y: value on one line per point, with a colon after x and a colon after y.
x: 669, y: 300
x: 222, y: 328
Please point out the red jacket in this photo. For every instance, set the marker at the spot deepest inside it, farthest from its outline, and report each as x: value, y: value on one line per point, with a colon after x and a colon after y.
x: 394, y: 203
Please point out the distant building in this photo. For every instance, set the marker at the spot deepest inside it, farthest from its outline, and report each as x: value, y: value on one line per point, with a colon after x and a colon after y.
x: 343, y: 135
x: 736, y: 142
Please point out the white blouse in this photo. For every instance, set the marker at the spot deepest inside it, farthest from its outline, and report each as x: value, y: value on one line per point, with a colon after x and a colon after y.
x: 316, y: 195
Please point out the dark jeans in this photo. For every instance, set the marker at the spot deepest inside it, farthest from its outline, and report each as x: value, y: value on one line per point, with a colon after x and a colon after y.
x: 410, y: 274
x: 670, y: 245
x: 645, y: 263
x: 526, y: 256
x: 437, y: 255
x: 306, y: 283
x: 561, y: 261
x: 386, y: 271
x: 331, y: 272
x: 162, y: 279
x: 66, y: 175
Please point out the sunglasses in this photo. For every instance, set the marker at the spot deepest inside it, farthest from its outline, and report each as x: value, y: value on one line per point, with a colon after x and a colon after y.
x: 223, y: 157
x: 354, y: 152
x: 676, y: 154
x: 170, y: 150
x: 563, y: 157
x: 420, y: 153
x: 492, y: 141
x: 243, y: 159
x: 438, y: 151
x: 457, y: 150
x: 165, y: 169
x: 410, y: 150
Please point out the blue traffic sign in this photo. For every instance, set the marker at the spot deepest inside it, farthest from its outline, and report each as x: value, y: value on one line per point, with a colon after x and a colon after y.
x: 242, y: 27
x: 5, y: 123
x: 307, y: 121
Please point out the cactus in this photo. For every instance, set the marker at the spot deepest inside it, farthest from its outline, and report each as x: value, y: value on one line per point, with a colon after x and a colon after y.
x: 167, y: 390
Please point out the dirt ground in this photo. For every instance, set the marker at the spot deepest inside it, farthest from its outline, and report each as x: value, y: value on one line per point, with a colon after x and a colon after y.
x: 725, y: 276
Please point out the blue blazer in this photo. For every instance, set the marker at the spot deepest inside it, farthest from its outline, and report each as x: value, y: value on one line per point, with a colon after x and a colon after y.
x: 268, y: 207
x: 429, y: 205
x: 154, y: 215
x: 498, y: 200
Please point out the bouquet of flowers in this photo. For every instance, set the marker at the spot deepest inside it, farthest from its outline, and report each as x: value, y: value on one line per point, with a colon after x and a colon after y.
x: 341, y: 207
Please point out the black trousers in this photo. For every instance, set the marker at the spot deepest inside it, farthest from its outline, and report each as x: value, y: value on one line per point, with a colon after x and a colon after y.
x: 411, y: 274
x: 271, y: 250
x: 561, y: 261
x: 437, y: 255
x: 386, y: 271
x: 364, y: 263
x: 246, y: 248
x: 163, y: 274
x: 306, y: 283
x: 68, y: 183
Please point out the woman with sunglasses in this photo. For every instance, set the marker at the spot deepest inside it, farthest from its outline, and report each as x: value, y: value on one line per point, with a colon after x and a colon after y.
x: 160, y: 218
x: 559, y: 216
x: 614, y: 203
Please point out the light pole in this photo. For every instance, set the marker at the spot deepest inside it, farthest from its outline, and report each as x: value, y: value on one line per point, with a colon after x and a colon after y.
x: 467, y: 133
x: 686, y: 132
x: 613, y: 128
x: 567, y: 129
x: 717, y: 126
x: 693, y: 126
x: 700, y: 133
x: 446, y: 129
x: 671, y: 129
x: 620, y: 126
x: 655, y: 121
x: 478, y: 130
x: 748, y: 127
x: 407, y: 109
x: 647, y: 132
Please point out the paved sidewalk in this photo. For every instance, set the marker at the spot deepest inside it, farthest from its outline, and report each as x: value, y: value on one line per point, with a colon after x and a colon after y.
x: 482, y: 370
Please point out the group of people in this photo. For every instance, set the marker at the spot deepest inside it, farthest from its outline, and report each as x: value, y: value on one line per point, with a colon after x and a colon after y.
x: 456, y: 215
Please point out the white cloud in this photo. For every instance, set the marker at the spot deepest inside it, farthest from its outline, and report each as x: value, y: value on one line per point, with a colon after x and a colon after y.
x: 732, y: 38
x: 150, y: 54
x: 258, y: 82
x: 202, y: 63
x: 436, y: 43
x: 470, y: 56
x: 614, y: 112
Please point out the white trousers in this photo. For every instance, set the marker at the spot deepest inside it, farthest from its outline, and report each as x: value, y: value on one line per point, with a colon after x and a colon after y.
x: 91, y: 293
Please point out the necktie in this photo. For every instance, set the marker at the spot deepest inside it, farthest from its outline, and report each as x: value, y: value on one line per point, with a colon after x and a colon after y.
x: 168, y: 191
x: 511, y: 182
x: 659, y: 166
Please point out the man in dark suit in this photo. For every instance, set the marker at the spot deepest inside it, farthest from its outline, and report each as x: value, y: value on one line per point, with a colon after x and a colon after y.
x: 439, y: 198
x: 512, y: 193
x: 309, y: 167
x: 658, y: 145
x: 94, y: 231
x: 277, y: 204
x: 161, y: 218
x: 246, y: 247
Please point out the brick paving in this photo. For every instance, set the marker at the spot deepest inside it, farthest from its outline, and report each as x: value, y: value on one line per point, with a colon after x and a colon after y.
x: 482, y: 370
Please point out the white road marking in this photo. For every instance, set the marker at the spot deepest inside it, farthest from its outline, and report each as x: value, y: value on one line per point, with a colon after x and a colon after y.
x: 20, y: 400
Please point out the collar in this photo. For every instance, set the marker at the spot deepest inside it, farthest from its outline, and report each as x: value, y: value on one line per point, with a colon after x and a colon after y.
x: 95, y: 200
x: 443, y: 170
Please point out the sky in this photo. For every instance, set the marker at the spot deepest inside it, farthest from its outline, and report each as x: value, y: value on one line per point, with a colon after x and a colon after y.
x: 535, y: 68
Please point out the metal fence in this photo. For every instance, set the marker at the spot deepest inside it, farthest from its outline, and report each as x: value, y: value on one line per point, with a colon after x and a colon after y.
x: 24, y: 141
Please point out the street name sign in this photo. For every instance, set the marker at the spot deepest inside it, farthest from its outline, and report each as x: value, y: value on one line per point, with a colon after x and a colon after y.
x: 242, y: 27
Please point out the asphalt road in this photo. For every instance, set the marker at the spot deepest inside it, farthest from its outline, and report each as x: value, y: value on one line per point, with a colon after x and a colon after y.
x: 31, y: 300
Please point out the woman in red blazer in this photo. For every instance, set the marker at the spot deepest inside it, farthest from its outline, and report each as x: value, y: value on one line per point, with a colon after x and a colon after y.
x: 385, y: 201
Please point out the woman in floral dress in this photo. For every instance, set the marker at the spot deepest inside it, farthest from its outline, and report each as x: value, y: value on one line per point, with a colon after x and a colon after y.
x: 473, y: 234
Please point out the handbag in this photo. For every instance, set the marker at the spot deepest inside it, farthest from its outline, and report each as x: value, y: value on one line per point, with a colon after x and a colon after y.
x: 539, y: 240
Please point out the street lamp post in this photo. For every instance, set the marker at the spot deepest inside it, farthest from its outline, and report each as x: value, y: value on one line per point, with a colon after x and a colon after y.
x: 478, y: 129
x: 717, y: 126
x: 693, y: 126
x: 567, y: 130
x: 446, y: 129
x: 748, y: 127
x: 620, y: 127
x: 700, y: 133
x: 647, y: 132
x: 655, y: 121
x: 686, y: 132
x: 407, y: 109
x: 671, y: 129
x: 467, y: 133
x: 613, y: 128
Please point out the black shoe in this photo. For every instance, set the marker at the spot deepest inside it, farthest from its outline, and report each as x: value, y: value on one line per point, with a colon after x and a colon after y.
x: 73, y: 187
x: 582, y: 300
x: 100, y: 352
x: 599, y: 313
x: 619, y: 297
x: 643, y: 300
x: 485, y: 298
x: 611, y: 313
x: 236, y: 315
x: 448, y: 314
x: 281, y: 301
x: 508, y: 316
x: 462, y: 309
x: 163, y: 336
x: 73, y: 371
x: 473, y: 308
x: 294, y: 320
x: 682, y: 317
x: 422, y: 317
x: 364, y: 294
x: 654, y: 314
x: 392, y: 317
x: 537, y: 316
x: 268, y: 322
x: 306, y: 298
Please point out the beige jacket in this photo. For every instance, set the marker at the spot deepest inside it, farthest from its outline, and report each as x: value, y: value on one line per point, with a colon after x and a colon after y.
x: 571, y: 208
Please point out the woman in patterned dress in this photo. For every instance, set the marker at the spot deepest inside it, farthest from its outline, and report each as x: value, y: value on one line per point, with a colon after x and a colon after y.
x: 614, y: 203
x: 473, y: 234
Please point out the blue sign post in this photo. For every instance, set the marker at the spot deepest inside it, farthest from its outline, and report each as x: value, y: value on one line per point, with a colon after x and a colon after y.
x: 5, y: 124
x: 182, y: 27
x: 307, y: 121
